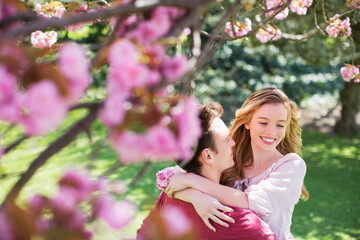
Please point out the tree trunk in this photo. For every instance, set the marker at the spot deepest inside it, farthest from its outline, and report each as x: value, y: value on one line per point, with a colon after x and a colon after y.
x: 350, y: 102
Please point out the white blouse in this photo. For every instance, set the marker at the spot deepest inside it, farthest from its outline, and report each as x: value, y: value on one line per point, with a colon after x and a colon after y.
x: 274, y: 193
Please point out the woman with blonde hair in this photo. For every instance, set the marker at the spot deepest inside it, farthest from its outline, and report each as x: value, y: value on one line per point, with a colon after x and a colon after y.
x: 268, y: 173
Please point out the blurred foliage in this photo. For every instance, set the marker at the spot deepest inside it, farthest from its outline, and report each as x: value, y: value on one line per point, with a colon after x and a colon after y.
x: 238, y: 69
x: 300, y: 68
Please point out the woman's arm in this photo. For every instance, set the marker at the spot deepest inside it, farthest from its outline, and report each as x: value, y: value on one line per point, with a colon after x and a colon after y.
x: 206, y: 206
x: 226, y: 195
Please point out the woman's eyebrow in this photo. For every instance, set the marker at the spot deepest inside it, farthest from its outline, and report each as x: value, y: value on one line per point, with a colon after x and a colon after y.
x: 268, y: 119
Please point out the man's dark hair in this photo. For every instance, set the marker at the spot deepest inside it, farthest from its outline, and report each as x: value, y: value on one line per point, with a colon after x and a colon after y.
x: 207, y: 114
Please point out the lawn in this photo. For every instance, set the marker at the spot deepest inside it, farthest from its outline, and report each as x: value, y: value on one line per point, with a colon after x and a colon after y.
x: 332, y: 212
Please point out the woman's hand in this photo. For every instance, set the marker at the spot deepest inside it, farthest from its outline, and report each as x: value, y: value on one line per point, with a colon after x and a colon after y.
x: 177, y: 182
x: 210, y: 208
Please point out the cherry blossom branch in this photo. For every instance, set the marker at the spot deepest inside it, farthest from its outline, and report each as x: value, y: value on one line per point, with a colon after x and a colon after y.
x: 211, y: 46
x: 23, y: 16
x: 141, y: 173
x: 268, y: 19
x: 119, y: 10
x: 15, y: 144
x: 53, y: 148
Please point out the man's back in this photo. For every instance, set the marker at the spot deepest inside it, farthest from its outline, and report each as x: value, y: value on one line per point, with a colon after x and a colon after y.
x: 247, y: 226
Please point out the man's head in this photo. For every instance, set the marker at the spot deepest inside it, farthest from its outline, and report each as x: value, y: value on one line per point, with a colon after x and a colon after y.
x: 214, y: 151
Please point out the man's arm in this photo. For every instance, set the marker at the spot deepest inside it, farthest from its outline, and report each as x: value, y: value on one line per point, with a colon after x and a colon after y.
x: 206, y: 206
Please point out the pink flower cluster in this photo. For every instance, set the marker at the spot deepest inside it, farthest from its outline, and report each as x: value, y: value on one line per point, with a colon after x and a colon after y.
x: 43, y: 108
x: 159, y: 142
x: 350, y: 72
x: 240, y: 29
x: 162, y: 19
x: 177, y: 222
x: 7, y: 9
x: 71, y: 55
x: 163, y: 176
x: 64, y: 212
x: 136, y: 65
x: 353, y: 3
x: 268, y: 33
x: 40, y: 107
x: 49, y: 10
x: 337, y: 26
x: 41, y: 39
x: 300, y: 6
x: 272, y: 4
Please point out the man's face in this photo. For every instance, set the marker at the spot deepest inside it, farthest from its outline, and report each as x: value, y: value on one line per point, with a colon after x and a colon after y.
x: 223, y: 144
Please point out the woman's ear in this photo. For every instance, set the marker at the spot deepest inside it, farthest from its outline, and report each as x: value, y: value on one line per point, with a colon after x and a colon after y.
x: 206, y: 155
x: 247, y: 126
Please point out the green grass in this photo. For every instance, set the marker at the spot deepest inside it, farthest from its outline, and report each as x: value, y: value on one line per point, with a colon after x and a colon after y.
x: 333, y: 172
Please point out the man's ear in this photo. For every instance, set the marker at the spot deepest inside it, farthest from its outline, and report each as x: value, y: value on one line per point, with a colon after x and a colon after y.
x: 207, y: 156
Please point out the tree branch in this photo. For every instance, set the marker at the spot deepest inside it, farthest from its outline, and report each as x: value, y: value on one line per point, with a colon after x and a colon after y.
x: 119, y: 10
x: 53, y: 148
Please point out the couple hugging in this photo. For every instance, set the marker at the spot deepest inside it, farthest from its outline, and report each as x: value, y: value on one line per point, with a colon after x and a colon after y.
x: 253, y: 168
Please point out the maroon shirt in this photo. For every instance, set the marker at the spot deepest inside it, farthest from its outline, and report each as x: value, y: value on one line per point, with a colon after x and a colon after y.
x: 247, y: 226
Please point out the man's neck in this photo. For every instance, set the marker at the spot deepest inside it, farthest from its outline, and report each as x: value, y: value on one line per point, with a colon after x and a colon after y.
x: 210, y: 174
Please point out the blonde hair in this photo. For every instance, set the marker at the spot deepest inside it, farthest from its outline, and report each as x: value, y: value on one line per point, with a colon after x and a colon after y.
x: 242, y: 150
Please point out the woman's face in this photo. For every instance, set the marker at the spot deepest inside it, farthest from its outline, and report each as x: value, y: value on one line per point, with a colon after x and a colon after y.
x: 267, y: 126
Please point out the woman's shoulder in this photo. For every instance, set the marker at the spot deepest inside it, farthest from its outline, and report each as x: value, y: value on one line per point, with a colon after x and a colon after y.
x: 291, y: 160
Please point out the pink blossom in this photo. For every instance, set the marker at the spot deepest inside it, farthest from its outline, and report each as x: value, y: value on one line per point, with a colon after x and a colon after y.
x: 240, y: 29
x: 349, y: 72
x: 300, y: 6
x: 271, y: 4
x: 76, y: 183
x: 52, y: 9
x: 154, y: 77
x: 128, y: 76
x: 116, y: 214
x: 5, y: 227
x: 122, y: 52
x: 129, y: 146
x: 337, y: 26
x: 163, y: 176
x: 175, y: 67
x: 267, y: 34
x: 113, y: 112
x: 37, y: 204
x: 185, y: 116
x: 172, y: 12
x: 353, y: 3
x: 16, y: 54
x: 9, y: 104
x: 44, y: 108
x: 150, y: 30
x: 74, y: 64
x: 7, y: 84
x: 41, y: 39
x: 177, y: 222
x: 118, y: 187
x: 161, y: 143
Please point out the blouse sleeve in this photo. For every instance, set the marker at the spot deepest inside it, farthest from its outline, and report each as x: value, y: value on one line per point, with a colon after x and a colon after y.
x: 281, y: 190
